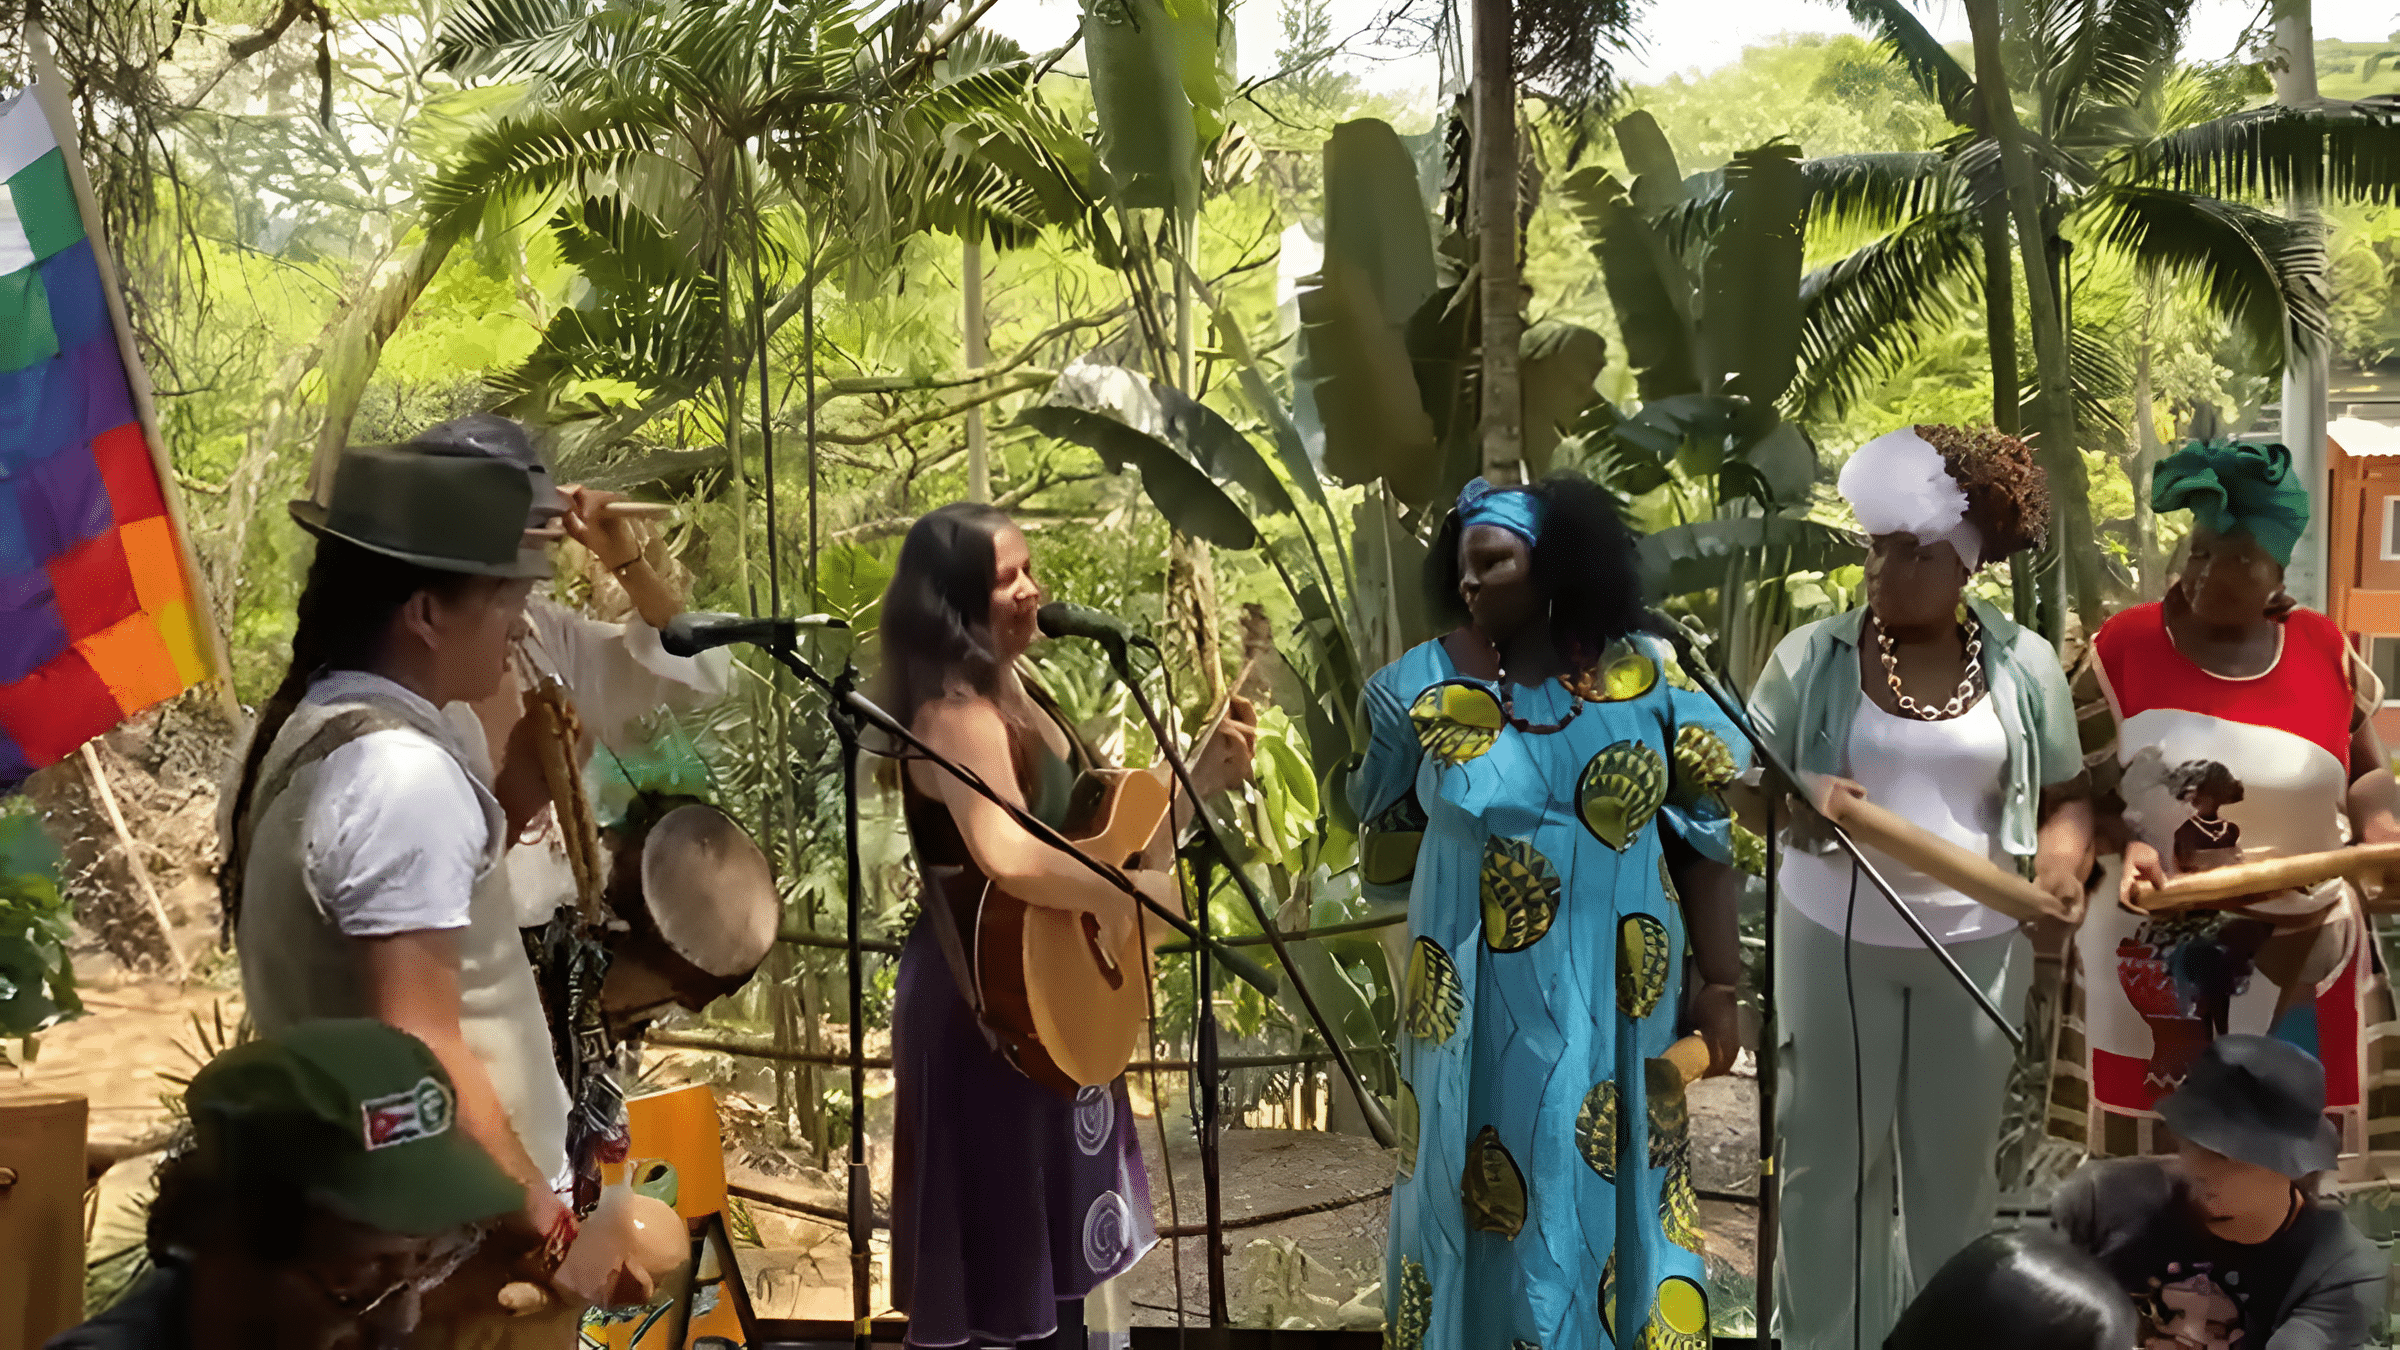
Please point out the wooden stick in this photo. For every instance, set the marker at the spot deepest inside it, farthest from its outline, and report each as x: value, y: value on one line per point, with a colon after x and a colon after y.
x: 1970, y: 874
x: 638, y: 510
x: 2264, y: 877
x: 133, y: 861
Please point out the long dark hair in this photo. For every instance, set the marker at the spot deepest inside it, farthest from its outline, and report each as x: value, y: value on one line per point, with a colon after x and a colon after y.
x: 1585, y: 564
x: 2017, y: 1290
x: 346, y: 612
x: 936, y: 629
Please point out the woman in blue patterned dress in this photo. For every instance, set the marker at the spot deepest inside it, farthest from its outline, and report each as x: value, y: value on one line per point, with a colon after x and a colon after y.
x: 1535, y: 752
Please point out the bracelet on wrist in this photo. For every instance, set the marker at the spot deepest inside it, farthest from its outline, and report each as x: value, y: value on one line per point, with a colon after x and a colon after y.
x: 619, y: 569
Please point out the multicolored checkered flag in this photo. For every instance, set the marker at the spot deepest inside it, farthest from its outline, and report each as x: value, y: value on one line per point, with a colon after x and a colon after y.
x: 100, y: 613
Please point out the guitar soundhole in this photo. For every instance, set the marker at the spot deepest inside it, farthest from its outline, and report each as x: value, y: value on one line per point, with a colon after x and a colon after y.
x: 1106, y: 959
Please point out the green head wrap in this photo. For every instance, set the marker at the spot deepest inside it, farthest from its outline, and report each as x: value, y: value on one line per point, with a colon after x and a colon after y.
x: 2236, y: 486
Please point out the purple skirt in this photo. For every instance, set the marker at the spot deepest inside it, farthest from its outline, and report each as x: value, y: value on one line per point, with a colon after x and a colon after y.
x: 1006, y: 1197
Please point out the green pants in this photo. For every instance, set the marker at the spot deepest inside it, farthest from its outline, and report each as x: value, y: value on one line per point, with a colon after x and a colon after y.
x: 1936, y: 1076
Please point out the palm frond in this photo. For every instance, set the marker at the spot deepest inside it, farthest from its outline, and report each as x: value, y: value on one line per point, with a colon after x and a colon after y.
x: 1929, y: 63
x: 2261, y: 272
x: 2347, y: 150
x: 2097, y: 369
x: 1861, y: 317
x: 2113, y: 54
x: 540, y: 153
x: 508, y: 39
x: 1878, y: 189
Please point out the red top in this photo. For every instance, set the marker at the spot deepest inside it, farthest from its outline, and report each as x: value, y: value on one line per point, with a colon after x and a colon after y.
x: 2307, y: 692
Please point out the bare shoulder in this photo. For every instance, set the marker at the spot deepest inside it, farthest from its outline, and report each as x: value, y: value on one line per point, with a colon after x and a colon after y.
x: 962, y: 723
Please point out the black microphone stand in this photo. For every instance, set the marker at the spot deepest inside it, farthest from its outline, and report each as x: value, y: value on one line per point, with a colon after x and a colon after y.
x: 851, y: 713
x: 1205, y: 1107
x: 1690, y: 643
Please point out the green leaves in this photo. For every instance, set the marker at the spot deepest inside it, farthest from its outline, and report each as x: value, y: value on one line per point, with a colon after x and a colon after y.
x: 1647, y: 285
x: 1375, y: 218
x: 1367, y: 396
x: 37, y: 984
x: 1697, y: 557
x: 2262, y: 272
x: 1750, y: 305
x: 1559, y: 363
x: 1163, y: 434
x: 1149, y: 146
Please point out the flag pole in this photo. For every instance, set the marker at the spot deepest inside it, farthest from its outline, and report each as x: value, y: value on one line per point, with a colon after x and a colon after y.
x: 49, y: 92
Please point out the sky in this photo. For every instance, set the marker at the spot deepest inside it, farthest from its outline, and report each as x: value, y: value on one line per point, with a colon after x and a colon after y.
x: 1681, y: 36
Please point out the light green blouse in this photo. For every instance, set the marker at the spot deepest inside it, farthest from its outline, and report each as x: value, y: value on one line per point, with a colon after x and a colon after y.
x: 1807, y: 697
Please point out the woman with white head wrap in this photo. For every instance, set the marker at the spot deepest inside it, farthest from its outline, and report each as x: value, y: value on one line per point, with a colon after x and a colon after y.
x: 1934, y: 705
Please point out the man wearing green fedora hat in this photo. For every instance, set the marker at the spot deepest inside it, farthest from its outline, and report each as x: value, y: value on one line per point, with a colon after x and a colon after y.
x: 327, y: 1185
x: 360, y: 831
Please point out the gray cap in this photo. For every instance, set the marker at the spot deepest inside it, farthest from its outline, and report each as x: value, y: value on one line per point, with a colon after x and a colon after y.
x: 433, y: 507
x: 497, y: 437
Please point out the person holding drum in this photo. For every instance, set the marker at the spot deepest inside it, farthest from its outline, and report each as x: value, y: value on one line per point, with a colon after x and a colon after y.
x: 1011, y: 1202
x: 1929, y: 703
x: 2241, y: 721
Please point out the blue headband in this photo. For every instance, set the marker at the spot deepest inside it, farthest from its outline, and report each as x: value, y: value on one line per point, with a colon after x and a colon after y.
x: 1519, y: 513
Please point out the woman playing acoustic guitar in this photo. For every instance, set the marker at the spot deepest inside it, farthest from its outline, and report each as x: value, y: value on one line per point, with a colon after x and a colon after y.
x: 1011, y: 1202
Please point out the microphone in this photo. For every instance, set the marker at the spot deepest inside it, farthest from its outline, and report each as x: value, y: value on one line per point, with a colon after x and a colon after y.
x: 692, y: 634
x: 1059, y: 619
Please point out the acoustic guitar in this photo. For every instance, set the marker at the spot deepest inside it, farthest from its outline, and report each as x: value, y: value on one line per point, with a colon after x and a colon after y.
x: 1068, y: 1011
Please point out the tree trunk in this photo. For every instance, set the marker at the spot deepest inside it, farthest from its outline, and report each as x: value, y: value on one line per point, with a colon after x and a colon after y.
x: 1496, y: 229
x: 2000, y: 320
x: 970, y: 271
x: 2292, y: 59
x: 2145, y: 453
x: 2054, y: 417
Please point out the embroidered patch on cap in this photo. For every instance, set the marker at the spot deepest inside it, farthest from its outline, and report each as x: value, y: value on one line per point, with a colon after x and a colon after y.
x: 405, y: 1117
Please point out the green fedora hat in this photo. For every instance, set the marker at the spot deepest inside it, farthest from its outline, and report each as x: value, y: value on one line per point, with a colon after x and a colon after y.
x: 436, y: 506
x: 357, y: 1114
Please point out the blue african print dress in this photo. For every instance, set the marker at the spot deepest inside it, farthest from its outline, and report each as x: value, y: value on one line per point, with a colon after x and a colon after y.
x: 1545, y: 1168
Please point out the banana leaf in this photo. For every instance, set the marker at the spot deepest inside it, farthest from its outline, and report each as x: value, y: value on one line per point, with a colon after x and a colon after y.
x: 1750, y: 302
x: 1375, y: 219
x: 1129, y: 420
x: 1696, y: 557
x: 1375, y: 422
x: 1647, y: 284
x: 1555, y: 374
x: 1149, y: 146
x: 1658, y: 181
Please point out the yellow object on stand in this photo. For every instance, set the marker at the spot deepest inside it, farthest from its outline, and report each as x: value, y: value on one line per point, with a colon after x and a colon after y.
x: 679, y: 1127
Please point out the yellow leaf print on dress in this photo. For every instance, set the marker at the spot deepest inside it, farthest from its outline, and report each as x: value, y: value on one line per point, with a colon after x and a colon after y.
x: 1703, y: 763
x: 1519, y: 892
x: 1622, y: 673
x: 1642, y: 964
x: 1598, y: 1133
x: 1412, y: 1311
x: 1678, y: 1319
x: 1434, y: 997
x: 1620, y: 790
x: 1406, y: 1109
x: 1456, y: 720
x: 1492, y: 1188
x: 1671, y: 1151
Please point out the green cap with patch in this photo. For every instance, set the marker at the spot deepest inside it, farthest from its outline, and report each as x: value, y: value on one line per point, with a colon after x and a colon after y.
x: 359, y: 1115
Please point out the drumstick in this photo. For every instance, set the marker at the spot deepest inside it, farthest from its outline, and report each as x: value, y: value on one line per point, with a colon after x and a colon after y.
x: 2263, y: 877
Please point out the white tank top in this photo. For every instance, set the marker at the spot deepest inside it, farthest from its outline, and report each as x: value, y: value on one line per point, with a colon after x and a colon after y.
x: 1945, y: 777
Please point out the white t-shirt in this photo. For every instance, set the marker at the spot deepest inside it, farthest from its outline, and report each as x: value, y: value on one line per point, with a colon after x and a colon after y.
x: 395, y: 835
x: 1945, y: 777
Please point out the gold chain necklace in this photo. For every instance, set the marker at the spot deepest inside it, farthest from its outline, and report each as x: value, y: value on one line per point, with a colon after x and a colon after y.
x: 1968, y: 683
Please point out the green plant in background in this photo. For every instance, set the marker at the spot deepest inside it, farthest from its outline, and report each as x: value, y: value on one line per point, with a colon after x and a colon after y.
x: 1705, y: 280
x: 37, y: 982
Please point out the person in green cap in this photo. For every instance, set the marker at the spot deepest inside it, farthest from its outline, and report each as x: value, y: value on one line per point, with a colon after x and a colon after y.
x: 359, y: 831
x: 327, y: 1185
x: 2225, y: 682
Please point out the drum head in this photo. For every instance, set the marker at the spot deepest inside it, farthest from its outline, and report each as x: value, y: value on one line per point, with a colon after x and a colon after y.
x: 709, y: 890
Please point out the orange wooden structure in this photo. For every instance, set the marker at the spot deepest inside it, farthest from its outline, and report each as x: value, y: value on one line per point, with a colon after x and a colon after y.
x: 2362, y: 576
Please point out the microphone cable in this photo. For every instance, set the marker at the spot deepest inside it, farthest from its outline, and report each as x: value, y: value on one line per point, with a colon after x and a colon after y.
x: 1858, y: 1101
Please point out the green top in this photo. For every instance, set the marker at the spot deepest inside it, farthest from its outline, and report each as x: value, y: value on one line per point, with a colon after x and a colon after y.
x: 1808, y: 695
x: 1050, y: 797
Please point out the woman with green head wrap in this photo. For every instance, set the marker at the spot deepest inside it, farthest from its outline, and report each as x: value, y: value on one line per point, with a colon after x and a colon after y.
x: 2225, y: 678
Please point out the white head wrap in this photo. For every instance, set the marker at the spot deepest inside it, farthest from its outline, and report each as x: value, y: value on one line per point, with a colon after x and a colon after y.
x: 1897, y: 484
